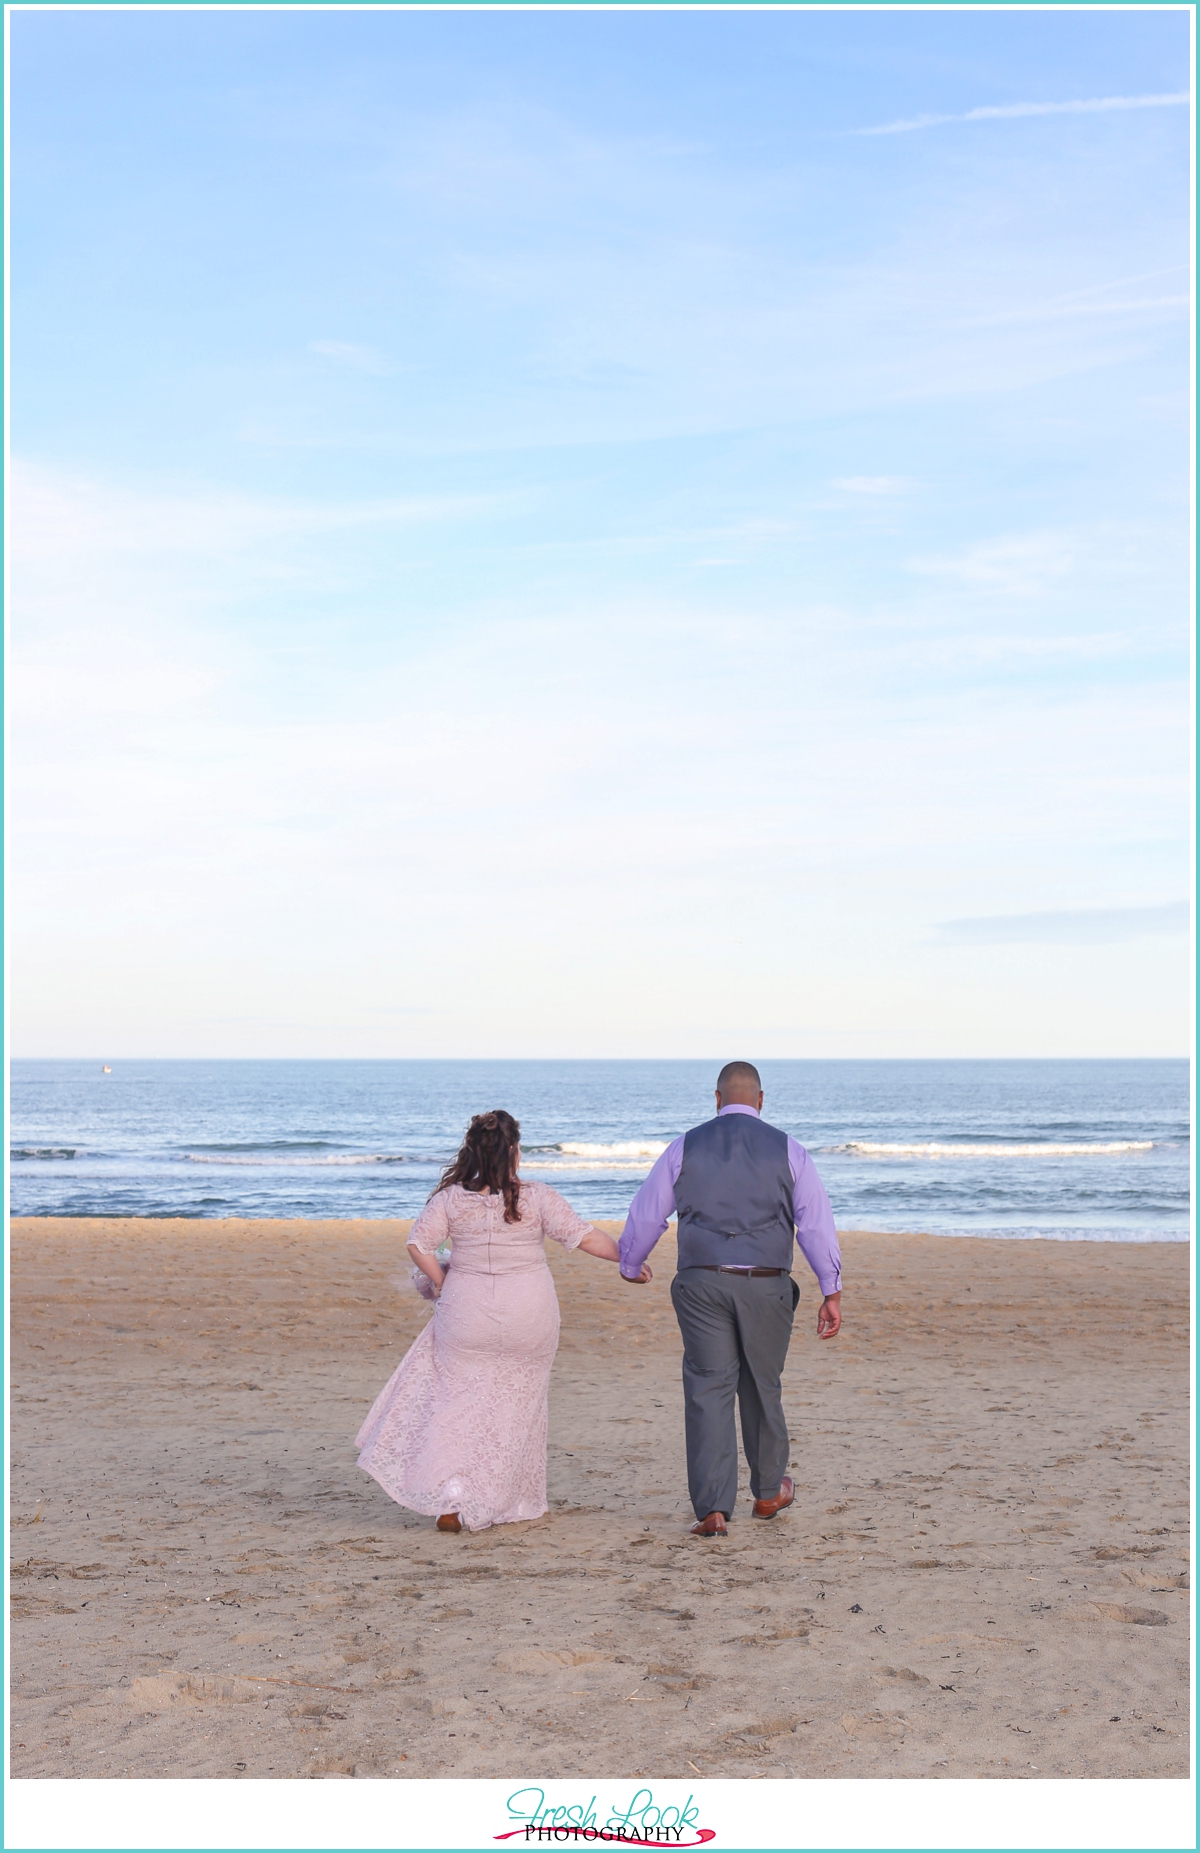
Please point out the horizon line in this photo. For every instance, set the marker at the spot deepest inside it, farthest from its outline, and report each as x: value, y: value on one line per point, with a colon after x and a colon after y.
x: 765, y: 1060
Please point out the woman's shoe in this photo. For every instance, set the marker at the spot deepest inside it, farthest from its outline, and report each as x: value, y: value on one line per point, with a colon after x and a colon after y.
x: 449, y: 1521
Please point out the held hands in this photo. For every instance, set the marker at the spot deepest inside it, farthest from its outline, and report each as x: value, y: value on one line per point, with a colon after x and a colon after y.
x: 829, y: 1319
x: 597, y: 1242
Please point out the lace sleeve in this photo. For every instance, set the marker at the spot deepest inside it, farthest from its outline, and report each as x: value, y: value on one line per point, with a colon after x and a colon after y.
x: 559, y: 1220
x: 432, y: 1226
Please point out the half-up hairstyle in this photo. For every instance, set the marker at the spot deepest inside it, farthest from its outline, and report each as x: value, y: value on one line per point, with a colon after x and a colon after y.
x: 487, y: 1160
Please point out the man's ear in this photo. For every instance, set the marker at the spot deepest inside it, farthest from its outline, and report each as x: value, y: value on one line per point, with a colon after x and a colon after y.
x: 717, y: 1092
x: 760, y: 1100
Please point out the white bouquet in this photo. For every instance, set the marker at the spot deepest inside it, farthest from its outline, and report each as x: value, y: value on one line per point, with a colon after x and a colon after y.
x: 422, y: 1282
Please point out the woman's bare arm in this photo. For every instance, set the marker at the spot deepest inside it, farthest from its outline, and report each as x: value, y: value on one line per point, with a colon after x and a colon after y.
x: 595, y: 1242
x: 430, y: 1266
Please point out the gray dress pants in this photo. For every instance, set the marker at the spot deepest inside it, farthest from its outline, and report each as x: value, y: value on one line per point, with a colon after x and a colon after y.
x: 736, y: 1330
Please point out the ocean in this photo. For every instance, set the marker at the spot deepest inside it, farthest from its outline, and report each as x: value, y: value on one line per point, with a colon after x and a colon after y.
x: 1071, y: 1150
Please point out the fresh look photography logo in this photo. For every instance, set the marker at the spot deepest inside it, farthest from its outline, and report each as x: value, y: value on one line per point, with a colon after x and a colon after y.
x: 642, y: 1822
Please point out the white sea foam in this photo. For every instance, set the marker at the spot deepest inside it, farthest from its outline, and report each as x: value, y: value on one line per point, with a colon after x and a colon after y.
x: 584, y: 1155
x: 579, y: 1155
x: 258, y: 1158
x: 582, y: 1164
x: 863, y: 1148
x: 630, y: 1148
x: 1084, y: 1234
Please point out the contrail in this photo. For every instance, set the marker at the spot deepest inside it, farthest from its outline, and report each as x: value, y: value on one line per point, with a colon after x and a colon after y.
x: 1082, y: 106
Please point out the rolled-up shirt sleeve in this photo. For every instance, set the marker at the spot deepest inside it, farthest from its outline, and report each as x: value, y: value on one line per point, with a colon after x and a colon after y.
x: 650, y: 1211
x: 815, y: 1232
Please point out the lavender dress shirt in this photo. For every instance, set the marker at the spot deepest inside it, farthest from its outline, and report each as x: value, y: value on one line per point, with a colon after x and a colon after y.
x: 654, y: 1205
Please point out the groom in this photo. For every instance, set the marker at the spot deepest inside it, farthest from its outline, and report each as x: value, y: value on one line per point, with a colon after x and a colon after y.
x: 743, y: 1191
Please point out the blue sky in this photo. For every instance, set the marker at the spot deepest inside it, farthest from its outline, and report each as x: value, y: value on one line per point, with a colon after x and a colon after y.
x: 602, y: 533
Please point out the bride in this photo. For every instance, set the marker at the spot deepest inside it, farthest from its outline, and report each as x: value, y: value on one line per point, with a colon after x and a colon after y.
x: 459, y: 1430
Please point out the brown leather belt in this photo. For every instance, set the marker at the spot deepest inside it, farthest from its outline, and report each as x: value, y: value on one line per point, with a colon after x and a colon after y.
x: 710, y: 1267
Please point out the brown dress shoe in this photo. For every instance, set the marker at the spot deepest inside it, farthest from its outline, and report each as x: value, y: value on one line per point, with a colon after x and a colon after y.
x: 449, y: 1521
x: 767, y: 1508
x: 711, y: 1527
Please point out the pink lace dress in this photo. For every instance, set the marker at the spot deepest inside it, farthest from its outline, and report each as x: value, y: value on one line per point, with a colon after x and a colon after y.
x: 461, y: 1424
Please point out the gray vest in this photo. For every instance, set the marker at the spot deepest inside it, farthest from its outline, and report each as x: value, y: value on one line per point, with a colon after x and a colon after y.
x: 734, y: 1195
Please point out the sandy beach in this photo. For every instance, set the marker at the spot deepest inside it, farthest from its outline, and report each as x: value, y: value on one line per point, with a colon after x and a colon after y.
x: 984, y: 1574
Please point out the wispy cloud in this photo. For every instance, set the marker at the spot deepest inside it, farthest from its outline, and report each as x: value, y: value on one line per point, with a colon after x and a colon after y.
x: 1014, y: 565
x: 1073, y: 306
x: 349, y: 354
x: 872, y: 485
x: 1083, y: 926
x: 996, y: 112
x: 1093, y: 301
x: 59, y: 515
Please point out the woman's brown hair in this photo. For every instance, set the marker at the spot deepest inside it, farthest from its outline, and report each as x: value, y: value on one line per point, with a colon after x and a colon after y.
x: 487, y: 1160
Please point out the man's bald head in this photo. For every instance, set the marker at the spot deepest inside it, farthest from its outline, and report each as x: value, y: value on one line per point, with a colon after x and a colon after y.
x: 738, y: 1085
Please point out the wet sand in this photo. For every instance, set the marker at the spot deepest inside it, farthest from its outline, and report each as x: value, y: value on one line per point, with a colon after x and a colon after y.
x: 984, y: 1573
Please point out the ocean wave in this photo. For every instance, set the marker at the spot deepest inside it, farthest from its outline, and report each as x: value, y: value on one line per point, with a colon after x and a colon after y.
x: 606, y: 1165
x: 629, y: 1148
x: 262, y: 1159
x: 864, y: 1148
x: 1035, y: 1234
x: 266, y: 1145
x: 42, y: 1151
x: 585, y: 1155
